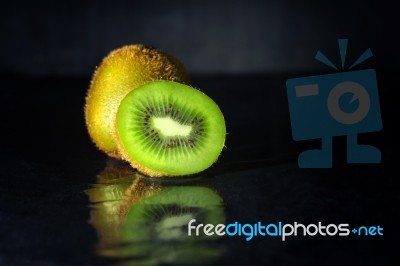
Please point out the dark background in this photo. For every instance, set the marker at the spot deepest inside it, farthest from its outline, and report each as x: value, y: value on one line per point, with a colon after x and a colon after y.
x: 70, y: 38
x: 240, y: 53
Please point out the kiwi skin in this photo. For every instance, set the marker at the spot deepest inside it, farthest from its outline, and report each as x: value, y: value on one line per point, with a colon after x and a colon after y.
x: 121, y: 71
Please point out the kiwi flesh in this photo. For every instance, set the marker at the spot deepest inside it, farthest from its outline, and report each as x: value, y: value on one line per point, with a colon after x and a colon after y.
x: 121, y: 71
x: 166, y: 128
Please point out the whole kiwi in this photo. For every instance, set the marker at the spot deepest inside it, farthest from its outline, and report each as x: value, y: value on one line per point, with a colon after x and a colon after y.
x: 121, y: 71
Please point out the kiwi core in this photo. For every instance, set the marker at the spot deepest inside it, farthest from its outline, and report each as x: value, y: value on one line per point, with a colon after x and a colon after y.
x: 168, y: 127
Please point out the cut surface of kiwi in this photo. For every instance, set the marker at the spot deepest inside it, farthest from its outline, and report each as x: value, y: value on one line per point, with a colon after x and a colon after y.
x: 166, y: 128
x: 121, y: 71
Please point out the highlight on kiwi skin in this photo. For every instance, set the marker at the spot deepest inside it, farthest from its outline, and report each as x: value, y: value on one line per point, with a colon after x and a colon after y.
x: 166, y: 128
x: 121, y: 71
x: 146, y: 221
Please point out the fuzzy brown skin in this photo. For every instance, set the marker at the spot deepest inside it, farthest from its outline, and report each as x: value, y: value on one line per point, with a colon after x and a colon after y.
x: 121, y: 71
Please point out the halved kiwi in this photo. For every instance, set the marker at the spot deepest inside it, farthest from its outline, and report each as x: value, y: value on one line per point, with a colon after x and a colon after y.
x: 121, y: 71
x: 166, y: 128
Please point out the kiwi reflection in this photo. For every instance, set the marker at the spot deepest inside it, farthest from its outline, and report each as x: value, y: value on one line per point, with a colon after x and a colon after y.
x: 106, y: 197
x: 146, y: 221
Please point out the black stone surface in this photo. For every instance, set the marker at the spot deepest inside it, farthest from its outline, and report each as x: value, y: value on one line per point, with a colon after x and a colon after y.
x: 47, y: 164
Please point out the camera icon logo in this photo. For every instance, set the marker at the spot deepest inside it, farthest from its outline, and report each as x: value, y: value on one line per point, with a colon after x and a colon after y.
x: 338, y: 104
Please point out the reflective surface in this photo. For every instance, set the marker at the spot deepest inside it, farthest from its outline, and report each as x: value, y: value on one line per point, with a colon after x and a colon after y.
x: 143, y: 221
x: 62, y: 202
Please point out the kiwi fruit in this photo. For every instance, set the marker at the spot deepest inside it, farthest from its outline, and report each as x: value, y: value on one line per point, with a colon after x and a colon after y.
x: 166, y: 128
x: 121, y: 71
x: 155, y: 228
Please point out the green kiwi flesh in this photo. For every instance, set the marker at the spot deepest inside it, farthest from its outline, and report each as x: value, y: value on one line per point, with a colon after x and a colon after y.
x: 165, y: 128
